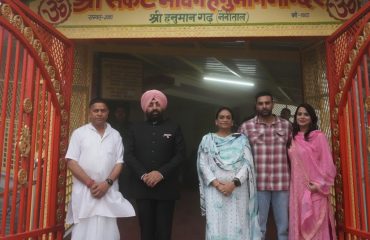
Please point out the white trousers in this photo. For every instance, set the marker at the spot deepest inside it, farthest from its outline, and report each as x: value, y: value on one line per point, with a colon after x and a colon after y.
x: 96, y: 228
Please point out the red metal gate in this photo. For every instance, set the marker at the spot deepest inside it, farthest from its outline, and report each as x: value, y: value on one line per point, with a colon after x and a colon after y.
x: 348, y: 75
x: 35, y: 89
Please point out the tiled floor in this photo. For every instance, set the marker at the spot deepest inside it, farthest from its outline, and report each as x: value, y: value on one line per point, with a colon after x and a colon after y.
x: 188, y: 223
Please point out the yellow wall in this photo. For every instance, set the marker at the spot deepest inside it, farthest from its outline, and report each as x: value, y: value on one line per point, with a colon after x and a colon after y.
x: 85, y: 19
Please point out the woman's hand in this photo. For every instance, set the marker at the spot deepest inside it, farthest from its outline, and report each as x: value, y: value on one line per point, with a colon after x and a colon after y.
x: 215, y: 183
x: 312, y: 187
x: 226, y: 188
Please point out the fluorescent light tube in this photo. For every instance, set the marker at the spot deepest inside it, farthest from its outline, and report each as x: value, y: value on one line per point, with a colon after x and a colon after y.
x: 228, y: 81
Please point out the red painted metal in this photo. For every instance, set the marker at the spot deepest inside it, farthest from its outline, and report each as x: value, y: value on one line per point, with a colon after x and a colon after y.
x: 361, y: 147
x: 350, y: 155
x: 43, y: 200
x: 22, y: 197
x: 349, y: 93
x: 11, y: 129
x: 36, y: 233
x: 1, y: 125
x: 355, y: 147
x: 367, y: 87
x: 346, y: 197
x: 2, y: 130
x: 35, y: 67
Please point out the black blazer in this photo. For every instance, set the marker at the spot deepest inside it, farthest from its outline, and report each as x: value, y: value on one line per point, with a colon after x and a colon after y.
x: 149, y: 147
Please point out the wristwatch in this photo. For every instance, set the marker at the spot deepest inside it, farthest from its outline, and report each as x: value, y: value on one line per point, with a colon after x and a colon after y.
x: 237, y: 182
x: 109, y: 181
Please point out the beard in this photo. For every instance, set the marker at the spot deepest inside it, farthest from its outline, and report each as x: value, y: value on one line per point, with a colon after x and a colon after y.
x: 265, y: 112
x: 154, y: 116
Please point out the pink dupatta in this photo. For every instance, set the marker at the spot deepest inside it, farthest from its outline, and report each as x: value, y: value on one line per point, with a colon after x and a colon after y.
x: 315, y: 160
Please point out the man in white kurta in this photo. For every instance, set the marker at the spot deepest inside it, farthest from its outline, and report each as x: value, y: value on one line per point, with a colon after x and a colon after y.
x: 95, y: 157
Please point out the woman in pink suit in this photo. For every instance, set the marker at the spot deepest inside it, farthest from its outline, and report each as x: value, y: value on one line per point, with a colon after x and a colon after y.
x: 312, y: 176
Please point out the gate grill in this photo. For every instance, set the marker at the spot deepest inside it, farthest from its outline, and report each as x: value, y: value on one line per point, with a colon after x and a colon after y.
x: 348, y: 76
x: 315, y: 85
x: 35, y: 88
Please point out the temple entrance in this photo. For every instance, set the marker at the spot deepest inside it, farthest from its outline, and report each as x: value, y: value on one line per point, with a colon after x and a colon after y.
x: 35, y: 81
x: 199, y: 77
x: 180, y: 69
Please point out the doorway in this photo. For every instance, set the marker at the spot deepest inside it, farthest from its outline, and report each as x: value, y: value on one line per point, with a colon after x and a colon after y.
x: 179, y: 69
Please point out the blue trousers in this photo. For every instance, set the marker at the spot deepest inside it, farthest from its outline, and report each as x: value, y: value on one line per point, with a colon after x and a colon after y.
x: 279, y: 200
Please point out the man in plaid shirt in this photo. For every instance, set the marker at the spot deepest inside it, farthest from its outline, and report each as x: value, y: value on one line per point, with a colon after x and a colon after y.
x: 268, y: 134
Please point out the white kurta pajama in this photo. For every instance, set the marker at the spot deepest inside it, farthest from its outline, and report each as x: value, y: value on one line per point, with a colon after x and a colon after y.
x: 97, y: 156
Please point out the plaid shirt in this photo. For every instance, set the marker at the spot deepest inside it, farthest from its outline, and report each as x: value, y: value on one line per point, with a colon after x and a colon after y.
x: 269, y: 143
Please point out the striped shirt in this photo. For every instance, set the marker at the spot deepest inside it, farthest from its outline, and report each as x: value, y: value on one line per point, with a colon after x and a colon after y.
x: 269, y: 143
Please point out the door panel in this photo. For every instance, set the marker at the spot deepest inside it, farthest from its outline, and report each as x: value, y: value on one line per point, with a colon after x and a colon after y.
x: 348, y: 77
x: 35, y: 88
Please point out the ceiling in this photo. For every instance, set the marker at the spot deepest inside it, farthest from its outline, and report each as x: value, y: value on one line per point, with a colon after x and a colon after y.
x: 178, y: 67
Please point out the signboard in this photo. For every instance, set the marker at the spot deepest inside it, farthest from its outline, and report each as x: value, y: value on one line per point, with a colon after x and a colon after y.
x: 115, y: 14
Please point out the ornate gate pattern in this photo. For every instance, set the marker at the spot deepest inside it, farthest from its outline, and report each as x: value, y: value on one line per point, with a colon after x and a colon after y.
x: 348, y: 75
x: 35, y: 89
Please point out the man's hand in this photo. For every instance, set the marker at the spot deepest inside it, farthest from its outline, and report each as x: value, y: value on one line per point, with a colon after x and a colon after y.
x: 98, y: 190
x: 151, y: 179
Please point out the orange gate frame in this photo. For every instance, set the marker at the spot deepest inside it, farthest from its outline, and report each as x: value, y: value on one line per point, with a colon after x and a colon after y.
x: 349, y: 92
x: 36, y: 67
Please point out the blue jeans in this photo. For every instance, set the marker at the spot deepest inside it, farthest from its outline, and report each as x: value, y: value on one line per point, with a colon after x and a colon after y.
x: 280, y: 204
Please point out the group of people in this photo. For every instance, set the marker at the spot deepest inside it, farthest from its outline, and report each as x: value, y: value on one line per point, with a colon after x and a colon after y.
x: 153, y: 152
x: 269, y: 161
